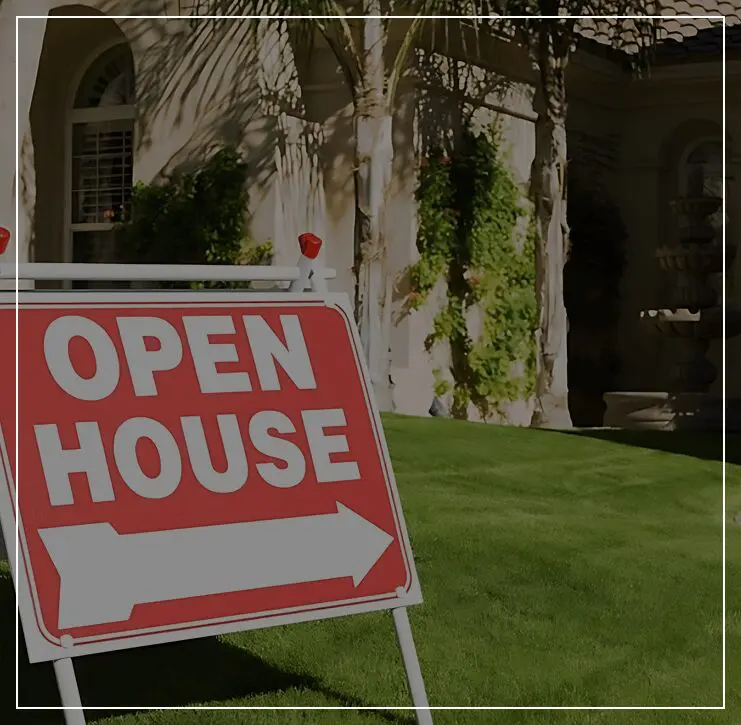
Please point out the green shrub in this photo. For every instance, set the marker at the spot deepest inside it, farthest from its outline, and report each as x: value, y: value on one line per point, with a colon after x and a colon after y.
x: 194, y: 218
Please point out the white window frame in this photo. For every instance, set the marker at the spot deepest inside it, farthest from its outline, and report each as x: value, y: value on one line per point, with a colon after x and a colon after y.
x: 76, y: 116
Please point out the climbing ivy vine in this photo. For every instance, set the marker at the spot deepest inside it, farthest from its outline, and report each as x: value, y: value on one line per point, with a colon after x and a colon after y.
x: 475, y: 233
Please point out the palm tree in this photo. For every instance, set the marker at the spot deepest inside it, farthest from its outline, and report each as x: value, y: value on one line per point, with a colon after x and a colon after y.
x: 550, y: 42
x: 358, y: 35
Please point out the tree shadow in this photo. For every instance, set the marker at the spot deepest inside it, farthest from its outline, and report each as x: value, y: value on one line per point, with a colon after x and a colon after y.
x: 705, y: 445
x: 180, y: 674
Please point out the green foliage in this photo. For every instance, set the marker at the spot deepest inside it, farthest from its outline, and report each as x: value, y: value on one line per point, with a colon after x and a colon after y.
x: 470, y: 209
x: 442, y: 386
x: 437, y: 227
x: 194, y: 218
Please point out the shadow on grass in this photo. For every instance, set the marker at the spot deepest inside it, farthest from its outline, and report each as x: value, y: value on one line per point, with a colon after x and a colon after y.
x: 176, y: 675
x: 698, y: 444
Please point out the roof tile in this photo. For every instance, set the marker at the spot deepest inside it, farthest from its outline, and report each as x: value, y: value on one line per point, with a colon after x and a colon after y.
x: 679, y: 34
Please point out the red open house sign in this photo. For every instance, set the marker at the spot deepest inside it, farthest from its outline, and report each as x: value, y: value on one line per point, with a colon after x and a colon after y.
x: 193, y: 464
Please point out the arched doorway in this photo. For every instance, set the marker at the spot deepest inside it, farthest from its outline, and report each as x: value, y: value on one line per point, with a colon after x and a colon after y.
x: 100, y: 156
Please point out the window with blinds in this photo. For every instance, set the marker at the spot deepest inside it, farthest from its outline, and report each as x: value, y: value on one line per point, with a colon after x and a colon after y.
x: 102, y: 171
x: 101, y: 159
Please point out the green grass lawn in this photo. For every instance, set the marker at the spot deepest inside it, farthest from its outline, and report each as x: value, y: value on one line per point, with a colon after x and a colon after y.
x: 558, y: 569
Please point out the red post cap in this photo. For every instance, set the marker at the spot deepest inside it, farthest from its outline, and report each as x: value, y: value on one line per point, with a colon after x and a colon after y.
x: 5, y: 239
x: 310, y: 245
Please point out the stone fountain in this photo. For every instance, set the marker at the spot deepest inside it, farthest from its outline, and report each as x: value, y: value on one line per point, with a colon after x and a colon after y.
x: 692, y: 321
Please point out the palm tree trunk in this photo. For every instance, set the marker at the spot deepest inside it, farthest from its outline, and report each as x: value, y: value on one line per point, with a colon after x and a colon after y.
x: 548, y: 186
x: 373, y: 163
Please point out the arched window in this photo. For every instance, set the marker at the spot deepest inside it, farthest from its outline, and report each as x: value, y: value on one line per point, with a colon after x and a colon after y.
x: 101, y: 154
x: 701, y: 173
x: 702, y: 169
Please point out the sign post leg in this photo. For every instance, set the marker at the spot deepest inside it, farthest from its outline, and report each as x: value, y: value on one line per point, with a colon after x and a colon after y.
x: 411, y: 665
x: 64, y: 670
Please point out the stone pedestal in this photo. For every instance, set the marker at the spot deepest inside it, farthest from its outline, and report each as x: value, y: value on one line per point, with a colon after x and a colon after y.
x: 670, y: 411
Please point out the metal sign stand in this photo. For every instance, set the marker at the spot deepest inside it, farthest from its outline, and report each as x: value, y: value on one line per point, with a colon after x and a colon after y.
x: 306, y: 275
x: 69, y: 693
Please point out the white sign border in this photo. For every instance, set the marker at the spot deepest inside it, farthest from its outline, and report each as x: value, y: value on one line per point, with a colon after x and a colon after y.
x: 44, y: 646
